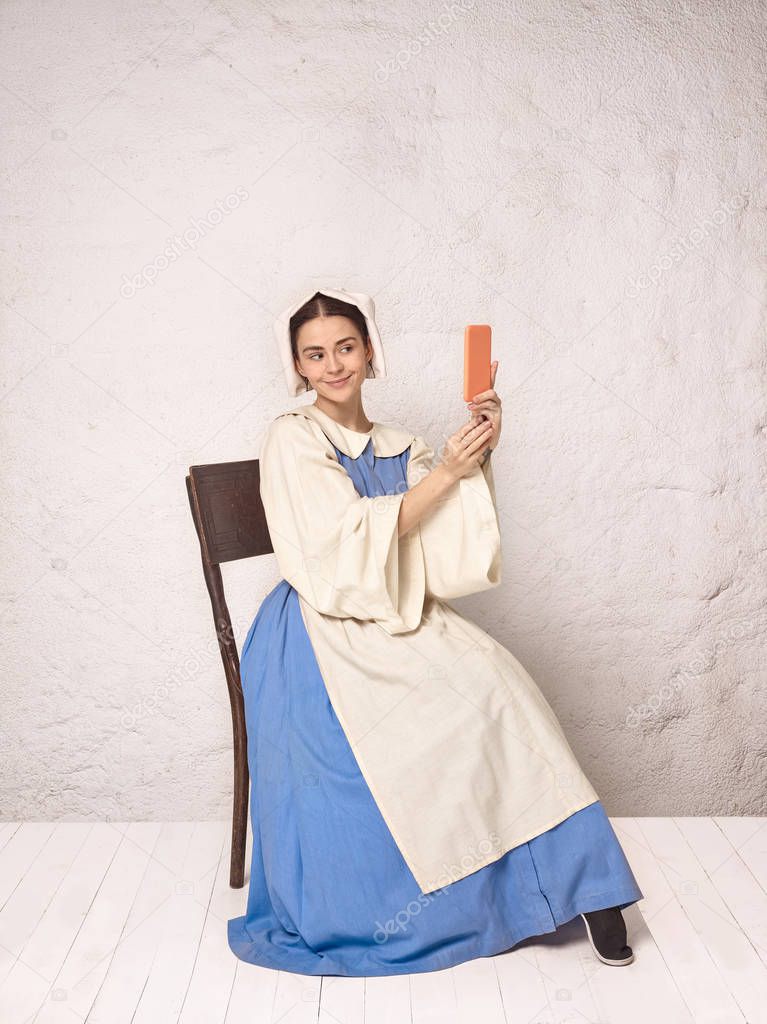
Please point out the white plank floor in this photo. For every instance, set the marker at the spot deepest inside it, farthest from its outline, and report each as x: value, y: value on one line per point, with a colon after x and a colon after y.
x: 126, y: 924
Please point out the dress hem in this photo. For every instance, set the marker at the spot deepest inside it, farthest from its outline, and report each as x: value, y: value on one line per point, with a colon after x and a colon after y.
x: 545, y: 925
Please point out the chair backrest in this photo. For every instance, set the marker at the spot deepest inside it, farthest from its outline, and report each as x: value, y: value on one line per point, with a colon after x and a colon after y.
x: 228, y: 514
x: 229, y: 517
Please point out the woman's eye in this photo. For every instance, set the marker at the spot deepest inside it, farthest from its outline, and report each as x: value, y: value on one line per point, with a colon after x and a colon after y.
x: 345, y: 348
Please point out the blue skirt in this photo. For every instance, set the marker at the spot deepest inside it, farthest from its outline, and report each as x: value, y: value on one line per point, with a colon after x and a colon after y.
x: 329, y: 890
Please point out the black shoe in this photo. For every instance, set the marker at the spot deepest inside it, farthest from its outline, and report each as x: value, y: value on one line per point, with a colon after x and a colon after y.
x: 606, y: 930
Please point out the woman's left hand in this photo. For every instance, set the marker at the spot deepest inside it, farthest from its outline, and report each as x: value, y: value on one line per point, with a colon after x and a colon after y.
x: 487, y: 405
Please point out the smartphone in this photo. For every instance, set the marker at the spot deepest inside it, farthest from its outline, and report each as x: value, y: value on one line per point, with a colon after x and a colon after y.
x: 476, y: 360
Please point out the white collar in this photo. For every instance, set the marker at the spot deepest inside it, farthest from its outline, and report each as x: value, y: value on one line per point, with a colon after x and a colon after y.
x: 387, y: 440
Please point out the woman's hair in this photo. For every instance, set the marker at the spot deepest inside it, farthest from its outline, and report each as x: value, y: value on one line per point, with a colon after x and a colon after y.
x: 325, y: 305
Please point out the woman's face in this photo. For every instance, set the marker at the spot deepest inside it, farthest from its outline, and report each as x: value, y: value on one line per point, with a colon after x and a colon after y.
x: 332, y: 356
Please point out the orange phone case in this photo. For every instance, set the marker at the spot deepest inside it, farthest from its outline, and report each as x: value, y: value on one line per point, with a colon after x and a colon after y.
x: 476, y: 360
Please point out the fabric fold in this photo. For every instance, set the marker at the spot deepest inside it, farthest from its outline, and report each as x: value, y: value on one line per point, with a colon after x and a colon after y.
x: 460, y: 538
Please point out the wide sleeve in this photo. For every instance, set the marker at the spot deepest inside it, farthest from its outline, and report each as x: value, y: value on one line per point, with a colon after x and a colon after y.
x: 339, y: 550
x: 460, y: 537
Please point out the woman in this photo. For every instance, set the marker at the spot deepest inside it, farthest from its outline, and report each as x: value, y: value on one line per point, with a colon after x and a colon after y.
x: 414, y: 801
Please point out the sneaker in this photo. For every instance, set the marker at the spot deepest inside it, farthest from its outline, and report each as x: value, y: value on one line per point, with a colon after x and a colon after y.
x: 606, y: 930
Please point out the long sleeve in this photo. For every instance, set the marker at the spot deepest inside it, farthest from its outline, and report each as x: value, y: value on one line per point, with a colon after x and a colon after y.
x: 339, y: 550
x: 460, y: 537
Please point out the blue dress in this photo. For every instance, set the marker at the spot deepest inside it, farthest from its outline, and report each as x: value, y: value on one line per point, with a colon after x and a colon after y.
x: 329, y: 892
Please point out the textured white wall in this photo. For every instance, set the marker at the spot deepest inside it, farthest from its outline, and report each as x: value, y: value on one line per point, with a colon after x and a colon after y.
x: 589, y: 179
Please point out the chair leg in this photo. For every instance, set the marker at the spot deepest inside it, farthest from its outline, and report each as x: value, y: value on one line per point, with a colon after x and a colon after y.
x: 239, y: 816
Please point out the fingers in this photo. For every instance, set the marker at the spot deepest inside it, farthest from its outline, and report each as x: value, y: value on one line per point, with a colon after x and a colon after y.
x: 466, y: 446
x: 472, y: 429
x: 491, y: 400
x: 485, y: 409
x: 484, y: 396
x: 478, y: 437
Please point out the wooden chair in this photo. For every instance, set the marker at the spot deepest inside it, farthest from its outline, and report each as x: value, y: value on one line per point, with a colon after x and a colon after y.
x: 229, y: 518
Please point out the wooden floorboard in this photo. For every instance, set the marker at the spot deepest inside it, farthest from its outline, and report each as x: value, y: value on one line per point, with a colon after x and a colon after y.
x: 126, y: 923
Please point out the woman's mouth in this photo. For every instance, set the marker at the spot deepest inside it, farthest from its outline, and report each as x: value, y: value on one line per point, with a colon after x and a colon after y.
x: 338, y: 383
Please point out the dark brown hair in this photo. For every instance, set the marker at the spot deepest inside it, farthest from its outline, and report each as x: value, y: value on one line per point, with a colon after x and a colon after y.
x: 326, y: 305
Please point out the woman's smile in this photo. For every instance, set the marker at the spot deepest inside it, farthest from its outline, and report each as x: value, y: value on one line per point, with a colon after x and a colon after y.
x: 339, y: 383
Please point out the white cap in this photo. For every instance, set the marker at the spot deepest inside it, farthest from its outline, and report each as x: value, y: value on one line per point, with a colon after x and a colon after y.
x: 296, y: 383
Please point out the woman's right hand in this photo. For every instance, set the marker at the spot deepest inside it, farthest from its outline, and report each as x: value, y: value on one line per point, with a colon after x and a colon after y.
x: 464, y: 450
